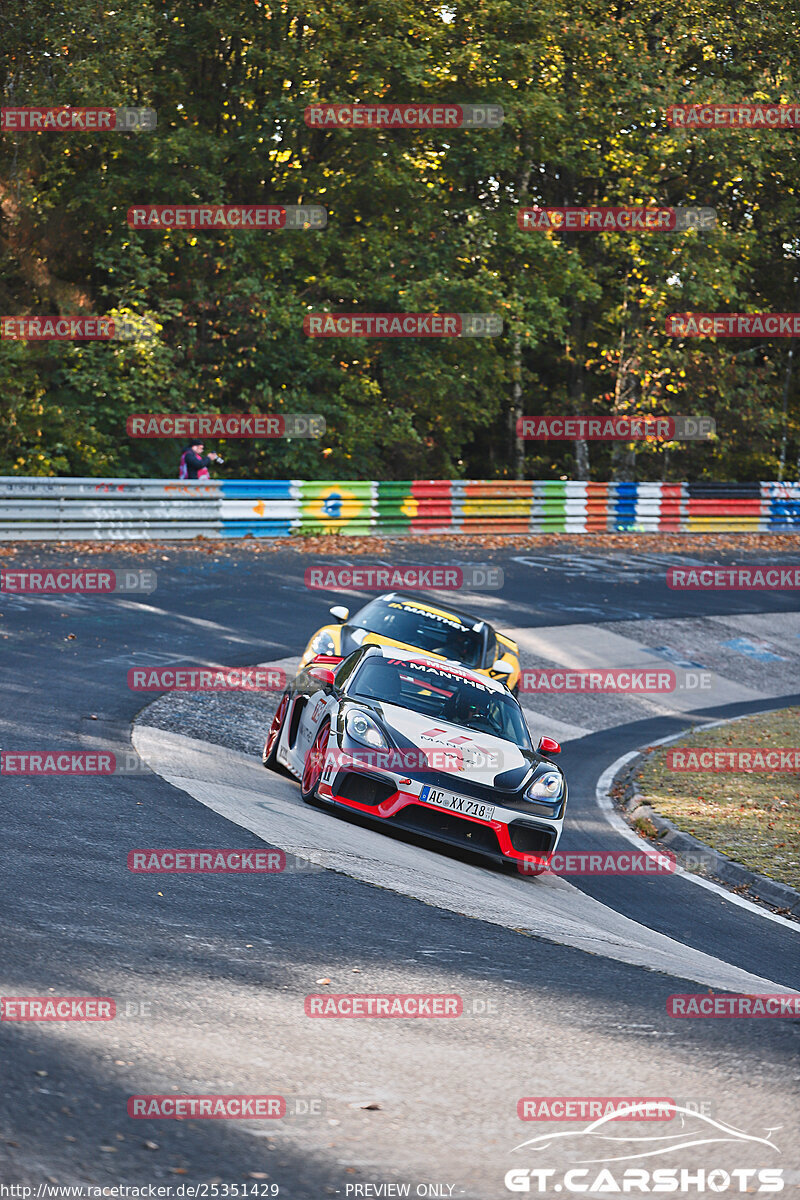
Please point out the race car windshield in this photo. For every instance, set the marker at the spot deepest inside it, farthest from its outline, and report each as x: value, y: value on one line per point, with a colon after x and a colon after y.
x: 438, y: 693
x: 437, y: 634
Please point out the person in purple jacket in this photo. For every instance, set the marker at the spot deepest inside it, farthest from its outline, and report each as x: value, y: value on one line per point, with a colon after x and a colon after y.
x: 194, y: 464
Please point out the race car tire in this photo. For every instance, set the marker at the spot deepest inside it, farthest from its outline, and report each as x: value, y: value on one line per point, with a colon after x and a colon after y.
x: 312, y: 768
x: 269, y: 756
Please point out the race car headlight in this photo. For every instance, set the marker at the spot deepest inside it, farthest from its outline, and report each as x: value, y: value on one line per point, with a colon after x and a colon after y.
x: 322, y: 643
x: 363, y: 729
x: 546, y: 787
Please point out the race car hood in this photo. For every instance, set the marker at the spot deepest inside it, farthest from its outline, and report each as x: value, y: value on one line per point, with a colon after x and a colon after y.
x: 489, y: 760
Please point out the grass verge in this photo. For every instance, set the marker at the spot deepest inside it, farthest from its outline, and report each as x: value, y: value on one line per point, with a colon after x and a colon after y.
x: 751, y: 816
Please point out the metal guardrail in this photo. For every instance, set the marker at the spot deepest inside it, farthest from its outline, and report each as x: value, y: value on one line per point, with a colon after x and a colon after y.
x: 60, y: 509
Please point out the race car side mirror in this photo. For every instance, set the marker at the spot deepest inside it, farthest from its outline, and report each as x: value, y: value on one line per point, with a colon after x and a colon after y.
x: 548, y: 745
x: 322, y: 674
x: 503, y: 668
x: 340, y: 612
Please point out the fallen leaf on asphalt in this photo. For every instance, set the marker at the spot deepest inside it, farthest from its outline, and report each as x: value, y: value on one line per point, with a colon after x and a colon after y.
x: 150, y: 1145
x: 257, y: 1175
x: 372, y: 1106
x: 322, y: 980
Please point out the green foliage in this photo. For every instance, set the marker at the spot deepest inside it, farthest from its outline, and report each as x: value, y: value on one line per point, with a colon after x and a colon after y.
x: 418, y: 221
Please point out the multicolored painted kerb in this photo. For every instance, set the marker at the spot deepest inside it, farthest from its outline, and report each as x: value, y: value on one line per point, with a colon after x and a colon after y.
x: 109, y: 509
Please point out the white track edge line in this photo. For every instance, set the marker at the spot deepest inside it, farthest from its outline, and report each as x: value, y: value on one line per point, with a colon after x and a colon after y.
x: 605, y: 804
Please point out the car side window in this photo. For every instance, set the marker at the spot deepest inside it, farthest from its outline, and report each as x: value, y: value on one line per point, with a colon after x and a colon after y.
x: 491, y: 648
x: 346, y: 668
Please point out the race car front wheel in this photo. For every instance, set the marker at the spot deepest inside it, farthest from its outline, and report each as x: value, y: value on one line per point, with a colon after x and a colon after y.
x: 315, y: 760
x: 269, y: 756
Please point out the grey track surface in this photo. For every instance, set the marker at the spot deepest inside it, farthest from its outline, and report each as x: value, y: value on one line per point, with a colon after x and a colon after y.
x: 224, y: 962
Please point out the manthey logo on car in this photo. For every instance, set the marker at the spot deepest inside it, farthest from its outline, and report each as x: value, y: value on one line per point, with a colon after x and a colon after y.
x: 602, y: 1149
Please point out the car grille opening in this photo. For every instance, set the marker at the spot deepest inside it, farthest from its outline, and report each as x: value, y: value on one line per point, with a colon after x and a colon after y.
x: 363, y: 789
x: 438, y: 824
x: 528, y: 838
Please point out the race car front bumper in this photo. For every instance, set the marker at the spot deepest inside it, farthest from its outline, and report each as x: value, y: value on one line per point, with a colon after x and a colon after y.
x: 394, y: 801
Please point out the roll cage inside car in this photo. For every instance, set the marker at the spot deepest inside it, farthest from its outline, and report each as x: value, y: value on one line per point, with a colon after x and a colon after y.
x: 487, y: 638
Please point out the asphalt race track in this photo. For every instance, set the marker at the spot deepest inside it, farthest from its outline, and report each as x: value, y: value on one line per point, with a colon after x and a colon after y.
x: 564, y: 981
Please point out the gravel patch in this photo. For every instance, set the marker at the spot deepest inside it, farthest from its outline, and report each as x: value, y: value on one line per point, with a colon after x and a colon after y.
x: 236, y: 720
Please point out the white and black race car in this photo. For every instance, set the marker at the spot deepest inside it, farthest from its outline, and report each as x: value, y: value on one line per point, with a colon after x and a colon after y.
x: 420, y: 745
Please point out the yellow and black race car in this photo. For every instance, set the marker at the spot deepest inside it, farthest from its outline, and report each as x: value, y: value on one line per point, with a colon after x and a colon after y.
x: 397, y: 619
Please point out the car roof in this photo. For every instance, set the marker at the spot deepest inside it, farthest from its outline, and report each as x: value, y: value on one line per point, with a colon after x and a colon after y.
x: 459, y: 613
x: 444, y: 665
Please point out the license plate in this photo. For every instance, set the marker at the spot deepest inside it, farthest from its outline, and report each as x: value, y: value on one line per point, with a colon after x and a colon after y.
x: 470, y: 808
